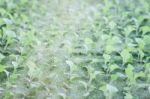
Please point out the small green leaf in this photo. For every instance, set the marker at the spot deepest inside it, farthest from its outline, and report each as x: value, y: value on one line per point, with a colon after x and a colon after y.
x: 62, y: 95
x: 88, y: 41
x: 109, y: 48
x: 147, y: 66
x: 103, y: 88
x: 146, y: 40
x: 140, y: 74
x: 121, y: 75
x: 127, y: 57
x: 74, y: 77
x: 145, y: 29
x: 114, y: 77
x: 140, y: 42
x: 129, y: 71
x: 84, y: 84
x: 94, y: 74
x: 111, y: 88
x: 7, y: 21
x: 7, y: 73
x: 130, y: 74
x: 113, y: 67
x: 73, y: 67
x: 128, y: 96
x: 128, y: 30
x: 106, y: 57
x: 10, y: 33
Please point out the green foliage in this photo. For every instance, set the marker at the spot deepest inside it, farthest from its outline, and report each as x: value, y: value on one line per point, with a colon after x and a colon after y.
x: 14, y: 23
x: 70, y: 49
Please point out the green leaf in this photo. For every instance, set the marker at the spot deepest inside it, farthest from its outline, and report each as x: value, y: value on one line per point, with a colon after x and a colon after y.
x: 140, y: 42
x: 140, y: 74
x: 73, y: 67
x: 106, y: 57
x: 114, y: 77
x: 7, y: 73
x: 7, y: 21
x: 128, y: 96
x: 10, y: 33
x: 129, y: 71
x: 94, y: 74
x: 62, y: 95
x: 88, y: 41
x: 103, y: 88
x: 128, y: 30
x: 111, y: 88
x: 130, y: 74
x: 145, y: 29
x: 147, y: 66
x: 109, y: 48
x: 113, y: 67
x: 28, y: 38
x: 84, y: 84
x: 74, y: 77
x: 146, y: 40
x: 127, y: 57
x: 121, y: 75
